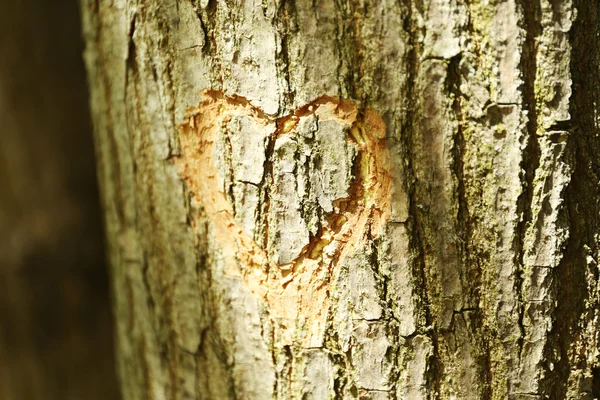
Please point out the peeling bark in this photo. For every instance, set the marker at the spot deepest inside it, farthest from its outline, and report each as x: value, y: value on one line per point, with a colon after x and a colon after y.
x: 350, y: 199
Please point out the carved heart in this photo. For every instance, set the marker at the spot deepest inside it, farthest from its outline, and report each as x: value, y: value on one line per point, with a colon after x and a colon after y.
x: 298, y: 192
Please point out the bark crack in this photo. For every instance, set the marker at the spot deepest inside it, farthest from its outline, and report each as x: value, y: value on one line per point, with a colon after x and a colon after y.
x: 531, y: 154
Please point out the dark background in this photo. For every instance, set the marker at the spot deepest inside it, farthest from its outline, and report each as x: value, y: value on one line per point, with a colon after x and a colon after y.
x: 56, y: 337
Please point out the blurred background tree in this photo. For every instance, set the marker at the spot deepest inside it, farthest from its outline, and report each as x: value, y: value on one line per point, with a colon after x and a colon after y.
x: 55, y: 321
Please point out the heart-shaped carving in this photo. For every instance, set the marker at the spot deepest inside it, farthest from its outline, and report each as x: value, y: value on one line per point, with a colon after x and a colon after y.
x: 288, y: 197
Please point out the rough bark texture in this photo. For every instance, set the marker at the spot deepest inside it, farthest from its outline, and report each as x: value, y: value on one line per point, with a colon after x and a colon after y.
x: 346, y: 199
x: 55, y: 323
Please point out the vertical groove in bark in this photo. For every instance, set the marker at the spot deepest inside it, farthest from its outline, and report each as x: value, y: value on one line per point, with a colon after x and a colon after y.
x: 531, y: 157
x: 453, y: 295
x: 408, y: 123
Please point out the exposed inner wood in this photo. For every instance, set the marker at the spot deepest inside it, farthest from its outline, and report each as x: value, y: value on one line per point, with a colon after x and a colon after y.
x: 353, y: 194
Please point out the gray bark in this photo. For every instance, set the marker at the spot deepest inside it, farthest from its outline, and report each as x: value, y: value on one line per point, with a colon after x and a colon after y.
x: 373, y: 200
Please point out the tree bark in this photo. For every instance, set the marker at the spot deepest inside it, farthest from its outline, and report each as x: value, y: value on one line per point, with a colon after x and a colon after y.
x: 374, y: 200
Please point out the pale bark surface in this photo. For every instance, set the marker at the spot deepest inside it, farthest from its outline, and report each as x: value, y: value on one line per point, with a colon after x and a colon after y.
x: 375, y: 200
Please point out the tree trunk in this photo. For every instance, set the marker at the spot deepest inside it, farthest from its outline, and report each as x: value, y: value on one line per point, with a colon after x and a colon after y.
x: 374, y: 200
